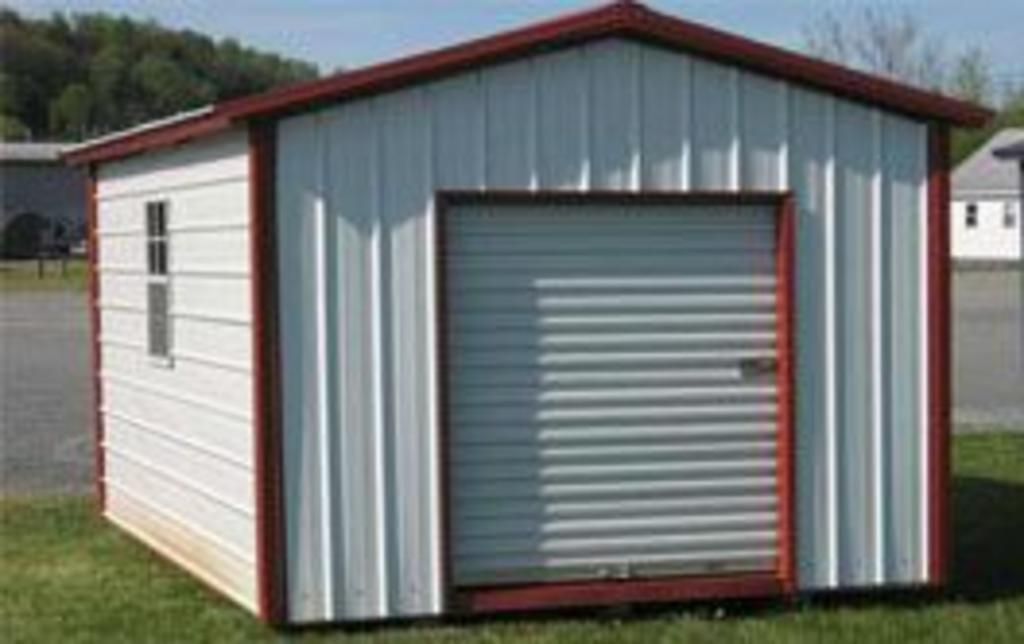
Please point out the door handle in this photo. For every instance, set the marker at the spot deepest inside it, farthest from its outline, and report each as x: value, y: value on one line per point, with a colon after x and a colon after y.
x: 753, y: 367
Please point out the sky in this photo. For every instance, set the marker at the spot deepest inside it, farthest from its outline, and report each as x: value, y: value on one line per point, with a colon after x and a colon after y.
x: 353, y: 33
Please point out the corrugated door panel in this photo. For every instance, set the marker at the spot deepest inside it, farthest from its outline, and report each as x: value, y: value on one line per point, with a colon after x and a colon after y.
x: 612, y: 394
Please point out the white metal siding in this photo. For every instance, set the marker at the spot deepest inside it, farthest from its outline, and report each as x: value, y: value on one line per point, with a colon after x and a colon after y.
x: 356, y: 184
x: 178, y: 438
x: 601, y: 422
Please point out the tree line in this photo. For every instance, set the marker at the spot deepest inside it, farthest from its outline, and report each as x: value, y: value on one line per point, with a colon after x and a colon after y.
x: 71, y: 77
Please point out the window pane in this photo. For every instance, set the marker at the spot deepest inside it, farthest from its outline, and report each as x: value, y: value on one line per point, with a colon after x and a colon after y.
x: 151, y: 259
x: 158, y: 323
x: 161, y: 254
x: 161, y: 219
x: 156, y: 219
x: 151, y: 215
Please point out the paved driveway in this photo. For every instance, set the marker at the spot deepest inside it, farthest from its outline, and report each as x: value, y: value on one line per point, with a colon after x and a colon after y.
x: 988, y: 377
x: 46, y: 444
x: 45, y: 440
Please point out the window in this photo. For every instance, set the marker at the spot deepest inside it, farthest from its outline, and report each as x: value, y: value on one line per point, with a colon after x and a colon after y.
x: 971, y: 219
x: 157, y: 287
x: 1010, y: 215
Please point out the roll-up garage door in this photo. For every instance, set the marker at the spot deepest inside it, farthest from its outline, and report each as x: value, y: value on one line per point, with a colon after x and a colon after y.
x: 611, y: 391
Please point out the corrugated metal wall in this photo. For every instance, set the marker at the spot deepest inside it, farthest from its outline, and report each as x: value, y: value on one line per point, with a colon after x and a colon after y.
x: 356, y: 237
x: 178, y: 437
x: 607, y: 418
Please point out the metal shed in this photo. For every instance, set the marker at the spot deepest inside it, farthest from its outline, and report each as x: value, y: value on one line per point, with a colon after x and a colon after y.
x: 612, y: 308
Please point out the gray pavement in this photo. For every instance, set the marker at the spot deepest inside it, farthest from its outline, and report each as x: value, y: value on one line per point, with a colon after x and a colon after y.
x: 45, y: 439
x: 988, y: 377
x: 45, y: 429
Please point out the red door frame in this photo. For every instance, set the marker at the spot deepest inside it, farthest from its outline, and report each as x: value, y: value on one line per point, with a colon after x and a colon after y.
x: 781, y: 581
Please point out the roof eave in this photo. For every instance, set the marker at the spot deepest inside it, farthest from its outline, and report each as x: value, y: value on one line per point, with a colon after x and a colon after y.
x: 628, y: 20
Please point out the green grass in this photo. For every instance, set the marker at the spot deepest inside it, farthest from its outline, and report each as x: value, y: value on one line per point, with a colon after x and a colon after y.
x: 22, y: 276
x: 67, y: 576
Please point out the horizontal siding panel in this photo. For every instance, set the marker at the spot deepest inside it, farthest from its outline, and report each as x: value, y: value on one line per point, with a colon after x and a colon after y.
x: 179, y: 541
x: 204, y: 382
x: 210, y: 250
x: 225, y: 435
x: 216, y: 296
x: 228, y: 345
x: 233, y: 532
x: 201, y: 207
x: 229, y: 479
x: 220, y: 157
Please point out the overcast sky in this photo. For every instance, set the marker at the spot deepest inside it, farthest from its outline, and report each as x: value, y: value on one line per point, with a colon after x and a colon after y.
x: 350, y: 33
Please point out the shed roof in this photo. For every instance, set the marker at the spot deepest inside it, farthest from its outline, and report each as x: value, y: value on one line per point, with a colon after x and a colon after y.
x: 31, y: 152
x: 986, y: 171
x: 1012, y: 151
x: 628, y: 20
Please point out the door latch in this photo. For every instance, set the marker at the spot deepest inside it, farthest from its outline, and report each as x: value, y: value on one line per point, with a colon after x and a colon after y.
x: 753, y: 367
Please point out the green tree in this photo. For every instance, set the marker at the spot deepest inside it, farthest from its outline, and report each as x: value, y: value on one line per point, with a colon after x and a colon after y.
x: 167, y: 86
x: 71, y: 114
x: 11, y: 129
x: 75, y: 75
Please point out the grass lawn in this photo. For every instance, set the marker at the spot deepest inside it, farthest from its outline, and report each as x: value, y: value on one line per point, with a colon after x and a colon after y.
x: 66, y: 576
x: 22, y: 275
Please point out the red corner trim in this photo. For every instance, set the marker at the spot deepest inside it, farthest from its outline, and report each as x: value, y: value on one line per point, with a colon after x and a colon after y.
x: 93, y: 248
x: 939, y: 352
x: 266, y: 386
x: 786, y: 390
x: 625, y: 20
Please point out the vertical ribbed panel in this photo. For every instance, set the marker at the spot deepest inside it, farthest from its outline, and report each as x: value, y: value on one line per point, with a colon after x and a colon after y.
x: 610, y: 115
x: 602, y: 419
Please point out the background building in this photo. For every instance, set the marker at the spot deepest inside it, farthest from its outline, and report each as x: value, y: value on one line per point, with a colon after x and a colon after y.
x: 986, y: 208
x: 43, y: 200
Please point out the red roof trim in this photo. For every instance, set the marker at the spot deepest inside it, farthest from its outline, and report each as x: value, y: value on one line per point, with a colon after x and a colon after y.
x: 620, y: 19
x: 143, y: 141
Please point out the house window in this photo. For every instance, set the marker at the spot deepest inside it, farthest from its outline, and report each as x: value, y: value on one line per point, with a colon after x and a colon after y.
x: 157, y: 287
x: 971, y: 219
x: 1010, y: 215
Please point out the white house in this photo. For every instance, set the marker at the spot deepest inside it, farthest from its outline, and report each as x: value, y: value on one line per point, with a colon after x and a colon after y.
x: 986, y: 207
